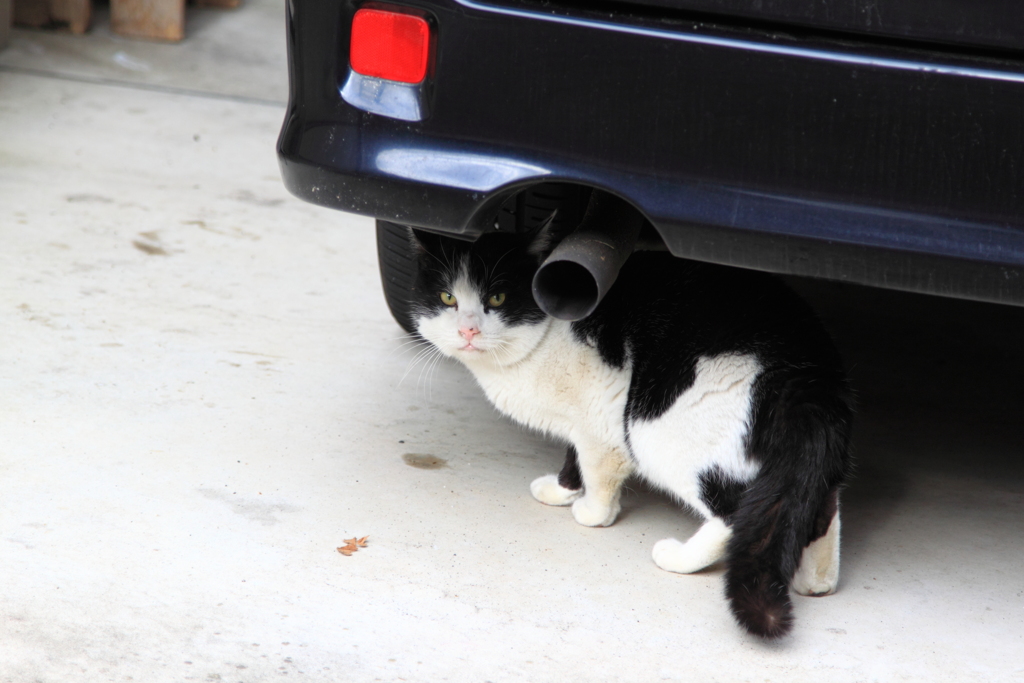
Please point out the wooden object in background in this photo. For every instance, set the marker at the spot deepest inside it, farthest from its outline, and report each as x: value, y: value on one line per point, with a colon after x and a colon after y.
x: 6, y: 17
x: 76, y: 15
x: 225, y: 4
x: 154, y: 19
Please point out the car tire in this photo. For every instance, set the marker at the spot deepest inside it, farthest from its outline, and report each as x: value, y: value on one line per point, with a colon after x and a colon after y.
x: 397, y: 271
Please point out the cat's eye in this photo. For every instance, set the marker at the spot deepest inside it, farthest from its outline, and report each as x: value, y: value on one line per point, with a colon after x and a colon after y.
x: 496, y: 300
x: 447, y: 299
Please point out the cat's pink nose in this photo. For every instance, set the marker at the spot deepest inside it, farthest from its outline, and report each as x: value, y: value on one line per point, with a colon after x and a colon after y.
x: 469, y: 332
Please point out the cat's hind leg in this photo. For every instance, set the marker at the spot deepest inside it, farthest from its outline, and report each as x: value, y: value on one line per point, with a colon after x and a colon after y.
x: 704, y: 548
x: 818, y: 573
x: 562, y: 488
x: 603, y: 471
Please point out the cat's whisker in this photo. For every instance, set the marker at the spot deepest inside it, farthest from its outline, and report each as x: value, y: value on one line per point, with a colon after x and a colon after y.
x: 498, y: 262
x: 425, y: 351
x: 450, y: 263
x: 404, y: 346
x: 406, y: 340
x: 431, y: 371
x: 442, y: 263
x: 487, y: 270
x: 429, y: 358
x: 423, y: 367
x: 422, y: 355
x: 503, y: 350
x: 411, y: 367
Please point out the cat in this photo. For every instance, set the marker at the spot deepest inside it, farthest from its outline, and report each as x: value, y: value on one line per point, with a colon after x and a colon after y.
x: 718, y: 385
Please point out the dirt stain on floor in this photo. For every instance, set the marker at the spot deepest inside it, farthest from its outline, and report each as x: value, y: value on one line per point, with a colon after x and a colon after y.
x: 151, y: 249
x: 424, y: 461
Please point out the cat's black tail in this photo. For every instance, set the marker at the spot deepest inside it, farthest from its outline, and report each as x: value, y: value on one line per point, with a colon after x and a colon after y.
x: 800, y: 434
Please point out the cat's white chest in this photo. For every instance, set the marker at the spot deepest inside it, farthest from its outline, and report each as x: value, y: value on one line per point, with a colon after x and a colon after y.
x: 563, y: 388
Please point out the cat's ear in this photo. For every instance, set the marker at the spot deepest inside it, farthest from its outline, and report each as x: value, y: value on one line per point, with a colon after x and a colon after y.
x: 424, y: 242
x: 544, y: 239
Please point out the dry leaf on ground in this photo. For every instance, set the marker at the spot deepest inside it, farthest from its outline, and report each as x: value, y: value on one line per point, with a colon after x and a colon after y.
x: 352, y: 545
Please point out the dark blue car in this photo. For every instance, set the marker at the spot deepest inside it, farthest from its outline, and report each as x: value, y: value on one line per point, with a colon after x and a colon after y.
x: 872, y: 141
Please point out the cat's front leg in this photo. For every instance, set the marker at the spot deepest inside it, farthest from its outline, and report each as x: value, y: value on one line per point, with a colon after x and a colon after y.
x: 562, y: 488
x: 603, y: 471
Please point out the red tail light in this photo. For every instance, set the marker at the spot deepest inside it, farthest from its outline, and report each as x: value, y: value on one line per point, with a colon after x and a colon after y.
x: 390, y: 45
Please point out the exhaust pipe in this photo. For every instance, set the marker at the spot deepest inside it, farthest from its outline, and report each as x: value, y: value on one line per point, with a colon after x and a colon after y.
x: 579, y: 272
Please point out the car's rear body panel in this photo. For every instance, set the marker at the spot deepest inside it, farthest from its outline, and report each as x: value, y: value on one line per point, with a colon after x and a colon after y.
x: 871, y: 163
x: 995, y: 24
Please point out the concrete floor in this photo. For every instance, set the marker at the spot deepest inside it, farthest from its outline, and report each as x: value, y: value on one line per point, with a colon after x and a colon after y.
x: 202, y: 394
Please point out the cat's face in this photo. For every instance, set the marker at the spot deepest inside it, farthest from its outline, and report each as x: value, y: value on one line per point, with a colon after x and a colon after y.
x: 474, y: 301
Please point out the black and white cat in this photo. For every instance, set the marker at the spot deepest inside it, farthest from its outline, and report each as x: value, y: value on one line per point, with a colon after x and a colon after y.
x: 718, y: 385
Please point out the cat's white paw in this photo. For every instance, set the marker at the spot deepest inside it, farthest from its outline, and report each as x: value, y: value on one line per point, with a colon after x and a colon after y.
x: 547, y: 490
x: 589, y: 512
x: 704, y: 548
x: 671, y: 555
x: 674, y: 556
x: 814, y: 586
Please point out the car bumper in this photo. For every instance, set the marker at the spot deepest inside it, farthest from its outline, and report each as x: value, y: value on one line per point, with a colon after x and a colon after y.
x: 867, y: 163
